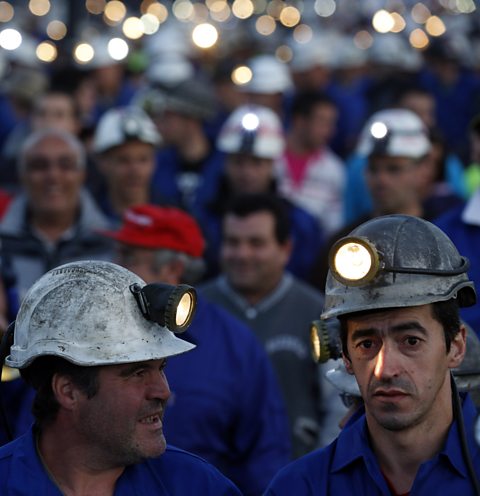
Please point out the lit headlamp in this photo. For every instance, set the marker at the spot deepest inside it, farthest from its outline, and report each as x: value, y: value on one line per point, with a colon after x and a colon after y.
x: 355, y: 261
x: 325, y: 340
x: 170, y: 306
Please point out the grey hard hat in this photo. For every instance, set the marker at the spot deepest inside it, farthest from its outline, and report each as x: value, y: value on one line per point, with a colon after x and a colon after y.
x: 414, y: 263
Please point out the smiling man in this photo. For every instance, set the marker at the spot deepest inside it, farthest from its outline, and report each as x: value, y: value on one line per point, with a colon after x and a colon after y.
x: 396, y: 284
x: 53, y: 220
x: 91, y: 339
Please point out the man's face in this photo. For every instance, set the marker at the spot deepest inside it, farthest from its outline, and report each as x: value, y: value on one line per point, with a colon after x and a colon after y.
x: 141, y: 261
x: 392, y: 183
x: 319, y: 127
x: 252, y: 258
x: 124, y: 419
x: 52, y: 177
x: 55, y: 111
x: 401, y: 364
x: 128, y: 169
x: 249, y: 174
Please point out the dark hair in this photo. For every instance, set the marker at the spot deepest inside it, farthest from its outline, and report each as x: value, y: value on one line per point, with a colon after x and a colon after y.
x: 39, y: 375
x: 304, y: 102
x: 445, y: 312
x: 248, y: 204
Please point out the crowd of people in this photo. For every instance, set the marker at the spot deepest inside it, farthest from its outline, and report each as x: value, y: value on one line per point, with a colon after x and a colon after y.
x: 183, y: 177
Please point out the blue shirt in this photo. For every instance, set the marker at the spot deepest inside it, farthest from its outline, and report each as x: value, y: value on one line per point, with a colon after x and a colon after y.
x: 176, y: 472
x: 225, y: 404
x: 348, y: 466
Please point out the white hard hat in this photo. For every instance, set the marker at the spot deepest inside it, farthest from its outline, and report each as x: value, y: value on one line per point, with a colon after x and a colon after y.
x: 86, y: 313
x: 316, y: 52
x: 170, y: 69
x: 252, y: 129
x: 119, y: 125
x: 269, y: 76
x: 396, y: 133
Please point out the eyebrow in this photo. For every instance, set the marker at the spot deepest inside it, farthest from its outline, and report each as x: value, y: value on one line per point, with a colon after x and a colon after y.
x: 125, y: 372
x: 404, y: 326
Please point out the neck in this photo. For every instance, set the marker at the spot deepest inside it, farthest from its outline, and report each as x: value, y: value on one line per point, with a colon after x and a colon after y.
x: 414, y: 209
x: 255, y: 295
x: 400, y: 453
x: 121, y: 200
x: 52, y: 226
x: 77, y: 472
x: 195, y: 148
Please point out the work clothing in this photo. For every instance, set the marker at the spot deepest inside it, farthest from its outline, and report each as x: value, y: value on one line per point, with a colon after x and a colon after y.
x: 348, y: 466
x: 176, y: 472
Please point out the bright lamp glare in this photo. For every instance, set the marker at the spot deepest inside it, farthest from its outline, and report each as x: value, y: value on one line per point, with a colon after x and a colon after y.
x: 378, y: 130
x: 250, y: 121
x: 184, y: 309
x: 352, y: 261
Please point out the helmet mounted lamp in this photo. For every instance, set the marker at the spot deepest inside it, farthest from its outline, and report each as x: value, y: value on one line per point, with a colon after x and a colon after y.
x: 170, y: 306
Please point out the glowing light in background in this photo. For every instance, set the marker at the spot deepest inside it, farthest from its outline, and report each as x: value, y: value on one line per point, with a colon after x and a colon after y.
x: 95, y: 7
x: 115, y: 11
x: 383, y: 21
x: 418, y: 39
x: 325, y: 8
x: 265, y: 25
x: 6, y: 12
x: 133, y: 28
x: 46, y: 51
x: 363, y: 39
x: 83, y: 53
x: 10, y: 39
x: 303, y: 33
x: 183, y: 9
x: 158, y: 10
x: 56, y: 30
x: 420, y: 13
x: 241, y: 75
x: 243, y: 9
x: 399, y: 23
x: 39, y: 7
x: 205, y: 35
x: 219, y: 10
x: 117, y: 48
x: 150, y: 23
x: 435, y: 26
x: 290, y: 16
x: 284, y: 53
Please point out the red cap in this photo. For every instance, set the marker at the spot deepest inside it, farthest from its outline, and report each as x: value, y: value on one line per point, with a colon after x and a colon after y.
x: 150, y: 226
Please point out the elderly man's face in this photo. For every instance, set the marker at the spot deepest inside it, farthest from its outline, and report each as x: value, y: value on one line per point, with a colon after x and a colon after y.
x: 52, y: 177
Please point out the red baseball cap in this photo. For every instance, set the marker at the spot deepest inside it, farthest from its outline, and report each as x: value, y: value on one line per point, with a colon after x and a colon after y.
x: 151, y: 226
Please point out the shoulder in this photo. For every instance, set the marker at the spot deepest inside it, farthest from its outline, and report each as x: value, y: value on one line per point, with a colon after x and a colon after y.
x: 186, y: 473
x: 306, y: 475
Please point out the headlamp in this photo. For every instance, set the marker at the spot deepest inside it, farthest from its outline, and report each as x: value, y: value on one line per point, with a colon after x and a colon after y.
x: 170, y: 306
x: 325, y: 340
x: 354, y: 261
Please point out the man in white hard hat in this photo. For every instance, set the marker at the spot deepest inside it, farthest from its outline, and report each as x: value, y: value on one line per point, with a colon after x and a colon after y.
x: 93, y: 340
x: 125, y: 143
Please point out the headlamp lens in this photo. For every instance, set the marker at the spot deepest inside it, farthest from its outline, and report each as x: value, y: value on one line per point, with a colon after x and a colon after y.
x: 354, y: 261
x: 184, y: 309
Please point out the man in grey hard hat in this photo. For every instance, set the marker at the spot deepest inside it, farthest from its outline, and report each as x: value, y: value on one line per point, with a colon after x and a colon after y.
x: 396, y: 284
x: 93, y: 340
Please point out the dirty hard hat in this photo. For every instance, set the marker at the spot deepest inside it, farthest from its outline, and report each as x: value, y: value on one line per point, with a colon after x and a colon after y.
x: 87, y: 313
x: 395, y: 261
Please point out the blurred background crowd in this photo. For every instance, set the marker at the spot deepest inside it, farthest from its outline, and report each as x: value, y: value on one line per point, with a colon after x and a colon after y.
x: 255, y: 120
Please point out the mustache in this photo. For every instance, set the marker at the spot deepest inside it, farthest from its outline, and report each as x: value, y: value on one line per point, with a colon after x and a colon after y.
x: 153, y: 407
x: 396, y: 383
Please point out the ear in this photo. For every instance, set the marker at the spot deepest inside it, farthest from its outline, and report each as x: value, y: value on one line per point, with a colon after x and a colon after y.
x: 65, y: 391
x: 348, y: 364
x: 458, y: 348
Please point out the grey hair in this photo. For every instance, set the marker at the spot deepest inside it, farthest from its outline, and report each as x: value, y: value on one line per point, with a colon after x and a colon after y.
x: 194, y: 266
x: 38, y: 136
